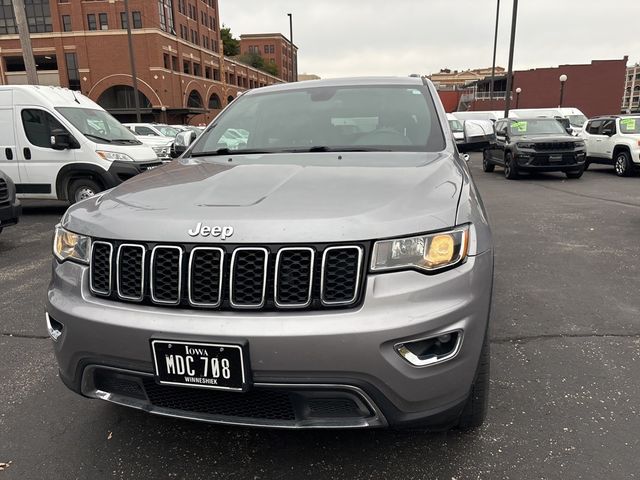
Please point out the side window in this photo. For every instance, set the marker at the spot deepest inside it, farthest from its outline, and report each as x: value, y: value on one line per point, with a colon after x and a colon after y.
x: 608, y: 127
x: 144, y: 131
x: 593, y: 127
x: 38, y: 126
x: 501, y: 128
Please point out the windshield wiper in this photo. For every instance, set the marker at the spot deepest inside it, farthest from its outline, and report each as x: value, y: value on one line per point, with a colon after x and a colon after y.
x: 323, y: 148
x: 102, y: 139
x: 132, y: 141
x: 226, y: 151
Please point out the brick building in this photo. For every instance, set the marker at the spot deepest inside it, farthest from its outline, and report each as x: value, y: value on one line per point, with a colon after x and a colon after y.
x: 595, y: 88
x: 631, y: 97
x: 82, y: 44
x: 275, y: 48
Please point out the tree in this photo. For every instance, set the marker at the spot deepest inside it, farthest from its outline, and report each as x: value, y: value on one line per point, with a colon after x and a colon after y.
x: 254, y: 60
x: 231, y: 45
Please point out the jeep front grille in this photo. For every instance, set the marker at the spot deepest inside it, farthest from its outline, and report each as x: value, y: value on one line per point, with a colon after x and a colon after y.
x: 227, y: 277
x: 4, y: 193
x: 554, y: 146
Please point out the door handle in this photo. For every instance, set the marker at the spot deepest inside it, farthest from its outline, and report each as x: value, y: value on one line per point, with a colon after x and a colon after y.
x: 8, y: 153
x: 27, y: 153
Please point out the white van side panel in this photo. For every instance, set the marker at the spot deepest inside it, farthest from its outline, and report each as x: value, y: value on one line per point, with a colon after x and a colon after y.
x: 8, y: 150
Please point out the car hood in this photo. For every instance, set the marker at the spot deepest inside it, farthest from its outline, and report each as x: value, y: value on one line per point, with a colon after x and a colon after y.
x: 329, y: 198
x: 544, y: 138
x: 155, y: 141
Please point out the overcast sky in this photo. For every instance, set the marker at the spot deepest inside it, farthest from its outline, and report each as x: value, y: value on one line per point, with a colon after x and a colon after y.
x: 399, y: 37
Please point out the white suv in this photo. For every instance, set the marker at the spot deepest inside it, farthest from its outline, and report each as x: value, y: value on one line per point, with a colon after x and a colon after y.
x: 614, y: 140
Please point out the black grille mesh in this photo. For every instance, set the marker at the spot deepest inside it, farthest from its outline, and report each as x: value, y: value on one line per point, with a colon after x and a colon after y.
x: 340, y: 275
x: 202, y: 278
x: 257, y: 404
x: 100, y: 268
x: 130, y: 271
x: 248, y: 277
x: 294, y: 277
x: 205, y: 279
x: 166, y: 274
x: 554, y: 146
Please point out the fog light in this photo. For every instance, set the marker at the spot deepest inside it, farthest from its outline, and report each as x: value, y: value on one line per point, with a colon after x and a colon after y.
x: 54, y: 328
x: 431, y: 350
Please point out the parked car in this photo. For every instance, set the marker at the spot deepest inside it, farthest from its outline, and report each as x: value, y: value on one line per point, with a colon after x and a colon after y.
x: 58, y: 144
x: 193, y: 128
x: 162, y: 146
x: 153, y: 129
x: 328, y: 272
x: 534, y: 145
x: 457, y: 129
x: 571, y: 118
x: 10, y: 208
x: 614, y: 140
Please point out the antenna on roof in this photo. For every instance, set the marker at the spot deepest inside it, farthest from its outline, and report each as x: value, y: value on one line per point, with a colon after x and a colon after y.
x: 74, y: 97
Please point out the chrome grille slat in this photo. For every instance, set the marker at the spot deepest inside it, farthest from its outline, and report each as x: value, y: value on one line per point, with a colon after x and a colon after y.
x: 258, y: 278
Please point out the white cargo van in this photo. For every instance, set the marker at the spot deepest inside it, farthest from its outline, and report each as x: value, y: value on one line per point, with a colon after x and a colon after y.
x: 57, y: 144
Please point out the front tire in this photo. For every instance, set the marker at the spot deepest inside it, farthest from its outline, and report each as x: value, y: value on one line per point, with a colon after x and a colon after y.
x: 575, y: 174
x: 510, y: 170
x: 622, y: 164
x: 82, y: 189
x: 475, y: 410
x: 487, y: 166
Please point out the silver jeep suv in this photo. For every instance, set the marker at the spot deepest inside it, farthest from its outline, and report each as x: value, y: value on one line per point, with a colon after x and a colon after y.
x: 333, y: 269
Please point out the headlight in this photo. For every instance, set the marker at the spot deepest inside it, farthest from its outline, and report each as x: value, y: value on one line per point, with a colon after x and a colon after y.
x: 71, y: 246
x: 114, y: 156
x: 579, y: 145
x: 424, y: 252
x: 526, y: 145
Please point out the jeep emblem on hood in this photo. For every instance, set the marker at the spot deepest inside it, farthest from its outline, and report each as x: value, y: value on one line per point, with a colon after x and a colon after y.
x: 215, y: 231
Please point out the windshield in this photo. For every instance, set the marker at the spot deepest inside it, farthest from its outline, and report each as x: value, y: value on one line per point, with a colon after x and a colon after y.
x: 630, y: 125
x: 577, y: 120
x: 167, y: 131
x: 343, y: 118
x: 456, y: 126
x: 98, y: 125
x: 548, y: 126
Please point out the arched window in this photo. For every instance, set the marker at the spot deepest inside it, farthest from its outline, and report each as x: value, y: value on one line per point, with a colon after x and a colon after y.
x: 195, y: 100
x: 214, y: 102
x: 229, y: 99
x: 121, y: 97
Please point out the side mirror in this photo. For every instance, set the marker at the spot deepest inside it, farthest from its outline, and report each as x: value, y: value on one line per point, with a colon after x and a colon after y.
x: 183, y: 141
x: 61, y: 140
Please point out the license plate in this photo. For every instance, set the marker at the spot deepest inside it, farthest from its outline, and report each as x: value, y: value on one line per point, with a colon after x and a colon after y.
x: 555, y: 158
x: 204, y: 365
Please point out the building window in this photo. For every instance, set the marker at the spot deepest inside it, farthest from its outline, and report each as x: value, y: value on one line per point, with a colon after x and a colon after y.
x: 104, y: 24
x: 123, y: 20
x: 214, y: 102
x: 181, y: 6
x: 165, y: 9
x: 174, y: 64
x: 72, y: 71
x: 137, y: 19
x: 186, y: 66
x: 38, y: 17
x: 167, y: 61
x: 196, y: 69
x: 216, y: 74
x: 207, y: 72
x: 272, y: 49
x: 205, y: 42
x: 66, y: 23
x: 91, y: 22
x: 212, y: 23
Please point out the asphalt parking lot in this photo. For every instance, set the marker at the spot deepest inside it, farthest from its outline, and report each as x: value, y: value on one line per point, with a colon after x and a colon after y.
x: 565, y: 398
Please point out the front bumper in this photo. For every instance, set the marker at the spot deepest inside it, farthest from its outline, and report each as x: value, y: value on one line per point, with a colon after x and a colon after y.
x: 348, y: 351
x: 10, y: 214
x: 121, y: 171
x: 532, y: 161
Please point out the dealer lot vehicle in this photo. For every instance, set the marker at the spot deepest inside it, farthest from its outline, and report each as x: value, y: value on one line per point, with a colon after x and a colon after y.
x: 571, y: 118
x: 314, y: 276
x: 534, y: 145
x: 10, y: 208
x: 614, y: 140
x: 153, y: 129
x: 58, y: 144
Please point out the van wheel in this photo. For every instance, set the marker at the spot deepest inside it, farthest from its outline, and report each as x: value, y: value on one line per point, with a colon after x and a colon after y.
x: 487, y: 166
x: 475, y: 411
x: 82, y: 189
x: 623, y: 164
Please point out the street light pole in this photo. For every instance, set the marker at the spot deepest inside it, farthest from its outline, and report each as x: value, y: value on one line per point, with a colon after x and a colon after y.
x: 514, y: 18
x: 518, y: 92
x: 25, y: 42
x: 493, y: 64
x: 292, y: 76
x: 563, y: 80
x: 134, y: 78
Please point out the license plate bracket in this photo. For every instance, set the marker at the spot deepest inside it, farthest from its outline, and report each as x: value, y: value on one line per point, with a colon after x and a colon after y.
x: 216, y: 366
x: 555, y: 158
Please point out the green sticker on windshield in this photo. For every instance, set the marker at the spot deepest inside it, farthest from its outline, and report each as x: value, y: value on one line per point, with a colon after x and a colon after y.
x: 519, y: 126
x: 628, y: 123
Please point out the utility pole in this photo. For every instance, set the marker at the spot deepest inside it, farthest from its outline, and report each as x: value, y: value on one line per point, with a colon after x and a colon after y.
x: 493, y: 65
x: 514, y: 18
x: 25, y: 42
x: 134, y: 78
x: 290, y: 15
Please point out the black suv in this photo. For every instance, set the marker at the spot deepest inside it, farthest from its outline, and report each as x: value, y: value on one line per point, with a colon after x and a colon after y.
x: 534, y: 145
